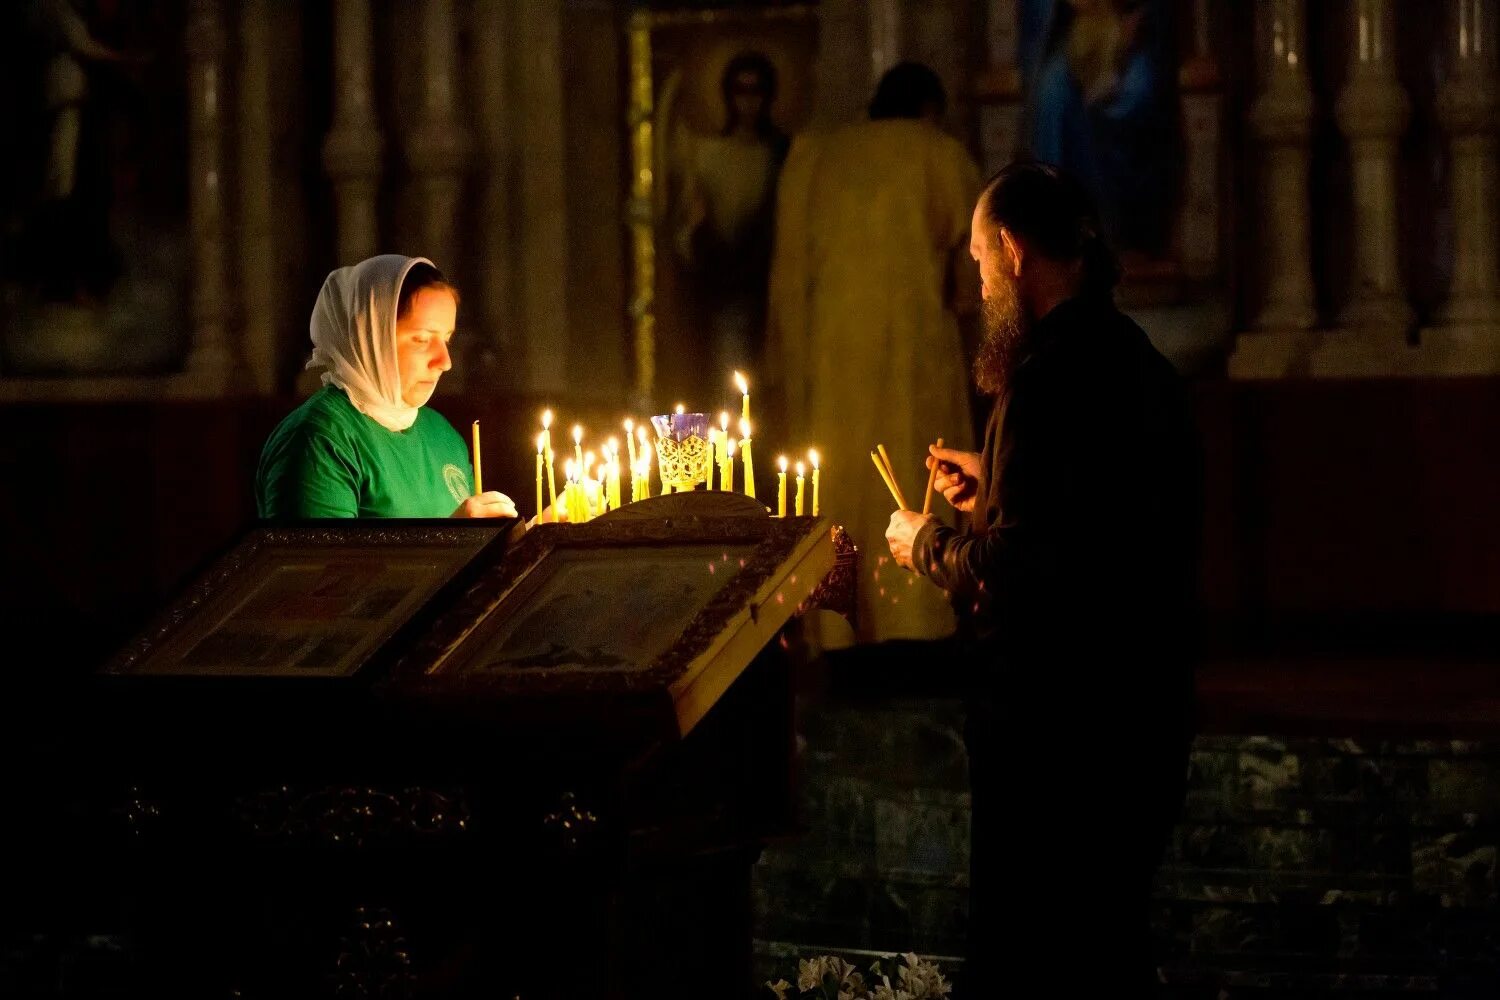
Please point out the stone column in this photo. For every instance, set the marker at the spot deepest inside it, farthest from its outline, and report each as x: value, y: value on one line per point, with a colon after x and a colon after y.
x: 1281, y: 119
x: 498, y: 355
x: 1373, y: 111
x: 211, y: 358
x: 1469, y: 107
x: 437, y: 148
x: 543, y: 234
x: 1468, y: 339
x: 257, y: 251
x: 352, y: 148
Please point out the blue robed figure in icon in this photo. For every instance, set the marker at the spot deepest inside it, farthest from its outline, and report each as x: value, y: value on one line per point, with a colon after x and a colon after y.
x: 1102, y: 104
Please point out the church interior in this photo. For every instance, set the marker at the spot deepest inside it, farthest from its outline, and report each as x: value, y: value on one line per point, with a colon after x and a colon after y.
x: 1304, y: 197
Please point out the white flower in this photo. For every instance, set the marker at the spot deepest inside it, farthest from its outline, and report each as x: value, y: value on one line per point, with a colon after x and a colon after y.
x: 923, y: 980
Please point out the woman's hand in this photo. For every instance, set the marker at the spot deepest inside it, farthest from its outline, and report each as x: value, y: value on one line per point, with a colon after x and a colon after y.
x: 487, y: 504
x: 957, y: 476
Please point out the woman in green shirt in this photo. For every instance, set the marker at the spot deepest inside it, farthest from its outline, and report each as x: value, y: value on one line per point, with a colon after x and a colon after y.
x: 365, y: 444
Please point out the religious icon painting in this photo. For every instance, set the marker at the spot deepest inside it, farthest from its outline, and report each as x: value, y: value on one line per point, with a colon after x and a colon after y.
x: 716, y: 96
x: 94, y: 242
x: 645, y: 615
x: 311, y: 600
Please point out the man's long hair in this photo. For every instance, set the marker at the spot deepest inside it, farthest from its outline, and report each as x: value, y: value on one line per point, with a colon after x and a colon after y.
x: 1052, y: 213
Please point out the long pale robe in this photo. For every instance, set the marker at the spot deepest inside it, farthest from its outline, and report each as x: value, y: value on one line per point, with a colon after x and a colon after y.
x: 868, y: 217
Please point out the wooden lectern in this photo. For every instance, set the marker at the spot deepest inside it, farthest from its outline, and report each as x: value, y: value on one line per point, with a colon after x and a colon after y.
x: 422, y: 759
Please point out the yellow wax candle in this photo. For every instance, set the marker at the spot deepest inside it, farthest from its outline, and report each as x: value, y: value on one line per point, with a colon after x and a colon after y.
x: 541, y: 448
x: 478, y: 473
x: 708, y: 468
x: 812, y: 456
x: 551, y: 472
x: 745, y: 457
x: 781, y: 488
x: 578, y: 448
x: 744, y: 387
x: 645, y: 476
x: 728, y: 467
x: 801, y: 481
x: 724, y: 454
x: 630, y: 442
x: 612, y: 456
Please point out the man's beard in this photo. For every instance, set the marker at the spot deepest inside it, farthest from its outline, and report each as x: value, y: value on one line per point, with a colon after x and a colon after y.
x: 1006, y: 328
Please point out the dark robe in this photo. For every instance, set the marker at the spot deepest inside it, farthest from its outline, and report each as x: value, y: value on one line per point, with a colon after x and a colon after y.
x: 1075, y: 585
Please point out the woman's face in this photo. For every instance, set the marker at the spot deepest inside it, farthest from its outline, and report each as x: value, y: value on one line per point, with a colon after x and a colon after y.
x: 422, y: 337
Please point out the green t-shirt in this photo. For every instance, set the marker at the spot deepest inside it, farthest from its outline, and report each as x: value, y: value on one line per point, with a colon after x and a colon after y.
x: 326, y: 459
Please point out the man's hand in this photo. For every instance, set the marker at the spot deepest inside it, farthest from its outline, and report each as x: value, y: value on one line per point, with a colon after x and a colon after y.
x: 901, y: 532
x: 957, y: 476
x: 486, y: 504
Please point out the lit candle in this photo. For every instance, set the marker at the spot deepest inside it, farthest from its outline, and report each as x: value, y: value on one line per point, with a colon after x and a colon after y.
x: 613, y: 451
x: 578, y: 448
x: 726, y: 453
x: 478, y: 473
x: 708, y: 468
x: 681, y: 409
x: 801, y: 481
x: 645, y: 451
x: 745, y: 457
x: 551, y: 474
x: 570, y: 492
x: 812, y: 456
x: 781, y: 488
x: 744, y: 387
x: 541, y: 448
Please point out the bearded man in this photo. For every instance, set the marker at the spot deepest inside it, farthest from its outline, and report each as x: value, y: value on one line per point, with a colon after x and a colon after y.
x: 1074, y: 583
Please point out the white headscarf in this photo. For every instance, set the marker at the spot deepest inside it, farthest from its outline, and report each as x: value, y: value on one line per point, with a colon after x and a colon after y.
x: 353, y: 330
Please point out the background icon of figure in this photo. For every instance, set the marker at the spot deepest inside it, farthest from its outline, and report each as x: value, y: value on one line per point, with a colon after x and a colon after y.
x: 722, y: 216
x: 1103, y: 106
x: 70, y: 245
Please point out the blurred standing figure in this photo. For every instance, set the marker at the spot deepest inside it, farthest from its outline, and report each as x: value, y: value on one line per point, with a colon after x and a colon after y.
x: 74, y: 255
x: 722, y: 224
x: 871, y: 222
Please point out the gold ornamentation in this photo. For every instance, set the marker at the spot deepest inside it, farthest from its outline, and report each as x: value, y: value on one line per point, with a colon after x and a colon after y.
x: 683, y: 464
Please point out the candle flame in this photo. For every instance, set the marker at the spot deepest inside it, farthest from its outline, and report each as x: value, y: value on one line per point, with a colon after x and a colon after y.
x: 546, y: 420
x: 744, y: 387
x: 724, y: 421
x: 782, y: 462
x: 541, y: 442
x: 731, y: 447
x: 800, y: 469
x: 588, y: 460
x: 640, y: 432
x: 744, y: 429
x: 612, y: 446
x: 629, y: 425
x: 812, y: 456
x: 570, y: 468
x: 577, y: 433
x: 681, y: 409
